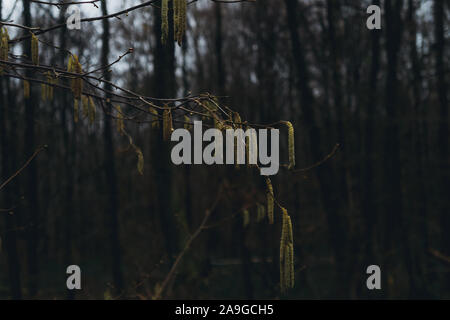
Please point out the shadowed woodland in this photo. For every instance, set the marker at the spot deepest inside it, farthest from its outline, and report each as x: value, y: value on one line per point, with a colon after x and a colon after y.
x: 86, y: 176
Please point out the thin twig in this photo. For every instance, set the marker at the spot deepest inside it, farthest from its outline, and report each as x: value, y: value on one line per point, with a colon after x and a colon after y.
x: 187, y: 246
x: 23, y: 167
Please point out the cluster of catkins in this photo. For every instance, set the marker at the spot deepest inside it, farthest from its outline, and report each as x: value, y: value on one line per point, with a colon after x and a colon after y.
x: 179, y: 9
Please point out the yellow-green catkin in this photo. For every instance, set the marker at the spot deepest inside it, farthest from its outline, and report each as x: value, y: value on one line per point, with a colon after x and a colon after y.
x: 91, y: 110
x: 34, y: 49
x: 270, y: 200
x: 49, y: 87
x: 237, y: 120
x: 76, y: 110
x: 291, y: 265
x: 155, y: 119
x: 218, y: 124
x: 164, y: 20
x: 286, y: 252
x: 70, y: 64
x: 167, y: 124
x: 4, y: 45
x: 75, y: 66
x: 282, y: 252
x: 284, y: 233
x: 291, y: 144
x: 245, y: 218
x: 140, y: 163
x: 182, y: 21
x: 119, y: 121
x: 261, y: 212
x: 26, y: 89
x: 179, y: 20
x: 187, y: 123
x: 44, y: 92
x: 85, y: 105
x: 176, y: 18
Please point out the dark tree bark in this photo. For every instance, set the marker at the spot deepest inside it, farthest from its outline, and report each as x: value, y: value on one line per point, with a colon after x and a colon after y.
x: 443, y: 154
x: 165, y: 87
x: 443, y: 133
x: 112, y: 211
x: 68, y: 147
x: 32, y: 197
x: 420, y: 193
x: 395, y: 224
x: 7, y: 154
x: 368, y: 191
x: 325, y: 175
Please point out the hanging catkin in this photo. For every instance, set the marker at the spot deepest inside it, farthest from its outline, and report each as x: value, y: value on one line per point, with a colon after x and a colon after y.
x: 179, y: 20
x: 155, y: 121
x: 246, y: 218
x: 286, y: 252
x: 164, y: 20
x: 70, y: 64
x: 44, y: 92
x: 291, y: 265
x: 167, y: 124
x: 91, y: 110
x: 26, y: 89
x: 282, y: 252
x: 182, y: 20
x: 261, y: 212
x: 237, y: 120
x: 176, y: 18
x: 291, y: 144
x: 4, y: 45
x: 140, y: 163
x: 119, y: 121
x: 270, y: 200
x: 75, y: 66
x: 34, y: 49
x: 85, y: 106
x: 75, y: 110
x: 187, y: 123
x: 284, y: 233
x: 52, y: 81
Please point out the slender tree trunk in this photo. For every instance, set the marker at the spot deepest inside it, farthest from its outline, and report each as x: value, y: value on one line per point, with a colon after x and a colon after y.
x: 420, y: 195
x: 397, y: 236
x: 32, y: 196
x: 112, y: 211
x: 368, y: 188
x: 330, y: 199
x: 187, y: 169
x: 443, y: 159
x: 164, y: 87
x: 69, y: 159
x: 7, y: 153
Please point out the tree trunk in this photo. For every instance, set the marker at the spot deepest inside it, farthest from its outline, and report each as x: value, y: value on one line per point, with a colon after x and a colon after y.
x: 112, y: 210
x: 395, y: 225
x: 69, y: 159
x: 164, y: 87
x: 7, y: 154
x: 443, y: 159
x: 32, y: 196
x: 325, y: 174
x: 368, y: 188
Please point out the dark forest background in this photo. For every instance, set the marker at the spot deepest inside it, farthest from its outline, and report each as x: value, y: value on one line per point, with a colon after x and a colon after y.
x: 381, y: 199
